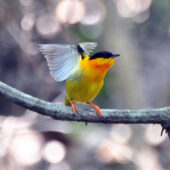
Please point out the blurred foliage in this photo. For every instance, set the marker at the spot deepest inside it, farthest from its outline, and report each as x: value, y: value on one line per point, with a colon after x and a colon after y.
x: 137, y: 29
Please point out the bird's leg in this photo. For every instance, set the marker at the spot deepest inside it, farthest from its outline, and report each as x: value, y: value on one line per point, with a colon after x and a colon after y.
x: 73, y: 107
x: 98, y: 111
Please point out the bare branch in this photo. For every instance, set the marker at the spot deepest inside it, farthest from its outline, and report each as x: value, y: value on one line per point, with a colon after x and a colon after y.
x: 62, y: 112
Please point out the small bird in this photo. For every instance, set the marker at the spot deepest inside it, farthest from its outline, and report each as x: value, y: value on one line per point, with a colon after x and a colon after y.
x: 84, y: 74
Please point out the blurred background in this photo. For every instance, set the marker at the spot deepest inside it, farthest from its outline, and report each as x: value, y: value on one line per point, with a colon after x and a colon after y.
x: 137, y: 29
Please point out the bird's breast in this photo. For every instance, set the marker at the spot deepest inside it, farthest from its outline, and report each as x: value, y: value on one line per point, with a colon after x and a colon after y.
x: 83, y: 86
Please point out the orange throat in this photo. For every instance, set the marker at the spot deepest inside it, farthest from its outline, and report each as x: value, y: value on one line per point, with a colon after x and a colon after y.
x: 97, y: 69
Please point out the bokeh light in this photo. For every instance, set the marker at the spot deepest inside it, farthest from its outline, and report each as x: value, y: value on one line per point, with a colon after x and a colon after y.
x: 153, y: 135
x: 47, y: 25
x: 54, y: 152
x: 27, y: 22
x: 147, y: 159
x: 11, y: 124
x: 111, y: 151
x: 4, y: 145
x: 70, y: 12
x: 95, y: 12
x: 9, y: 128
x: 25, y: 148
x: 130, y: 8
x: 121, y: 133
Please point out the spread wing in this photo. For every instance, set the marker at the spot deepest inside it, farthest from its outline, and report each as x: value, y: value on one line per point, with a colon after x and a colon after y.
x: 88, y: 47
x: 62, y: 59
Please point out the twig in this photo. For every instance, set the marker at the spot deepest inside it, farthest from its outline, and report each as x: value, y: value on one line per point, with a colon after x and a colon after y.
x: 62, y: 112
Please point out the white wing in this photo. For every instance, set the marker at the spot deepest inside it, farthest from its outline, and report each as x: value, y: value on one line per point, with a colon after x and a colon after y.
x: 88, y: 47
x: 61, y: 59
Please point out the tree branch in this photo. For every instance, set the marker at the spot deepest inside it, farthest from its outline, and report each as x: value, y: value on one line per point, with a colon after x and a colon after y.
x: 62, y: 112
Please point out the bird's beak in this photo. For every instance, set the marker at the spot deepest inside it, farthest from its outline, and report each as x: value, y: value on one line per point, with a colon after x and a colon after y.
x: 115, y: 55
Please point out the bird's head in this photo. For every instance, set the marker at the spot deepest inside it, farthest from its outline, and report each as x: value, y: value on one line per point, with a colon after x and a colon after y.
x: 102, y: 60
x: 103, y: 57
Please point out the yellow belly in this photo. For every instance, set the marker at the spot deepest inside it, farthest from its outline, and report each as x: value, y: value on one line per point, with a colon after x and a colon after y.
x: 82, y: 88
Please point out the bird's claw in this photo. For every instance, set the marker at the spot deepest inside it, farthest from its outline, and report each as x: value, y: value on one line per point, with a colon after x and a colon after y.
x: 74, y: 107
x: 97, y: 108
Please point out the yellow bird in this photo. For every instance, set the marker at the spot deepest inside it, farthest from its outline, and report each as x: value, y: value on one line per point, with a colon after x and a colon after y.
x: 84, y: 75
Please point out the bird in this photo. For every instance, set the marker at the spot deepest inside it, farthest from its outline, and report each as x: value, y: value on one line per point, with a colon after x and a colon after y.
x: 84, y: 74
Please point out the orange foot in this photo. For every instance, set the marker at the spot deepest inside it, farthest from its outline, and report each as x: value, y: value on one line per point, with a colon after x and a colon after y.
x: 98, y: 111
x: 73, y: 107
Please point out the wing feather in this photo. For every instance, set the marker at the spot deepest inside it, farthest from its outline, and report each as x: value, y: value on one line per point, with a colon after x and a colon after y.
x: 62, y: 59
x: 88, y: 47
